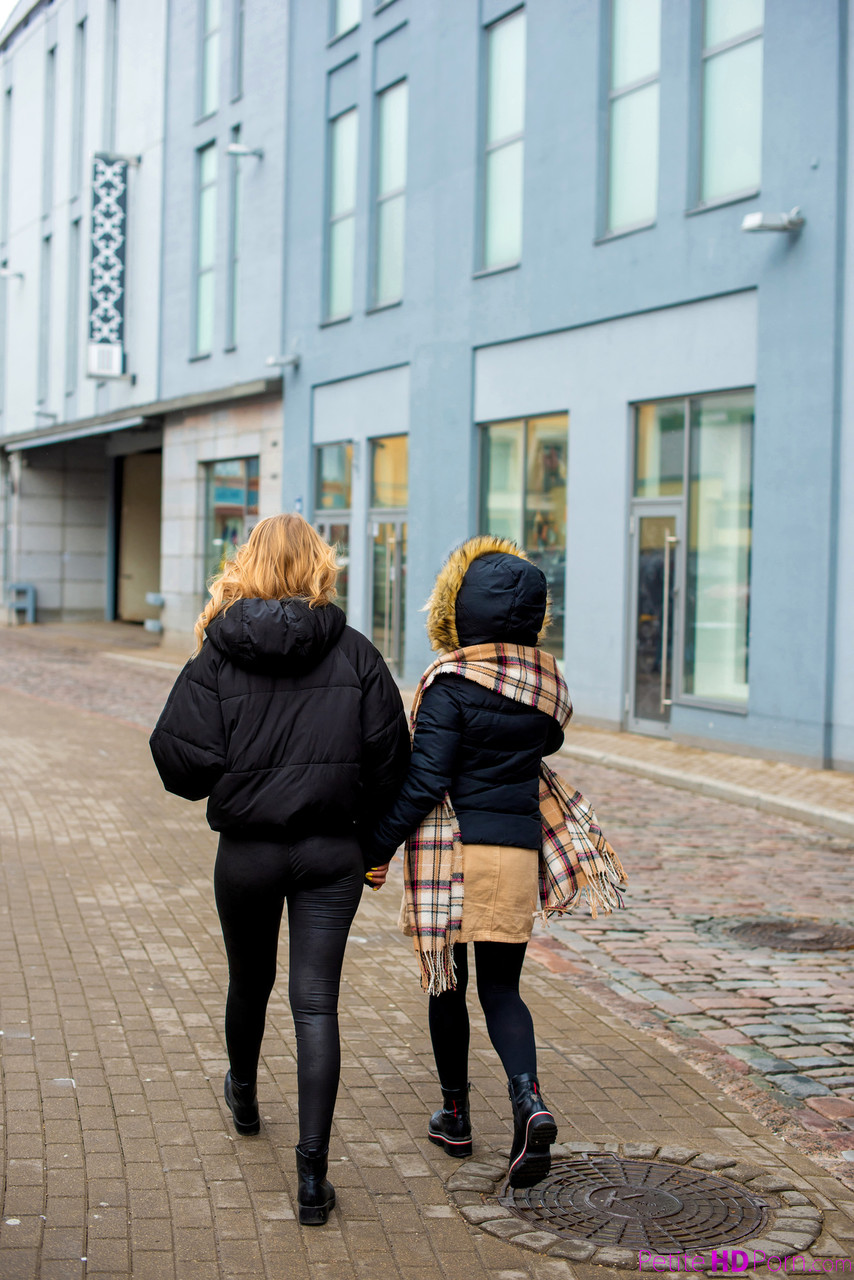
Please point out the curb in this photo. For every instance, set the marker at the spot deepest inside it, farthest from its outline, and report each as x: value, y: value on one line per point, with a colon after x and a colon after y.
x: 828, y: 819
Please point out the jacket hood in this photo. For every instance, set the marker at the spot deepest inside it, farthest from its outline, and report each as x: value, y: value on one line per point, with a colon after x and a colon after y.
x: 276, y: 636
x: 487, y: 592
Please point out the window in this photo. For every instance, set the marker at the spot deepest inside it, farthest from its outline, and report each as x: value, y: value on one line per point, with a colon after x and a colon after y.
x: 332, y: 502
x: 708, y: 440
x: 523, y: 497
x: 111, y: 73
x: 49, y: 129
x: 72, y: 322
x: 233, y: 244
x: 346, y: 14
x: 206, y: 167
x: 43, y: 373
x: 238, y: 37
x: 732, y: 98
x: 505, y: 123
x: 390, y: 213
x: 209, y: 63
x: 633, y: 113
x: 341, y: 230
x: 231, y: 510
x: 5, y: 188
x: 388, y: 531
x: 78, y: 108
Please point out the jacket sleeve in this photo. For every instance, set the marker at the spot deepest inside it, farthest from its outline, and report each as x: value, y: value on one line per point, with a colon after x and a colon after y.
x: 434, y: 756
x: 188, y: 743
x: 385, y: 740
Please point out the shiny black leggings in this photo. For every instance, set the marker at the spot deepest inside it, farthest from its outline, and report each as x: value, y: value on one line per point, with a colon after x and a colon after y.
x: 508, y: 1020
x: 321, y: 880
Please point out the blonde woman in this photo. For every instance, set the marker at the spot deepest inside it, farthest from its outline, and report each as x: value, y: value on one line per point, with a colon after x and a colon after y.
x: 291, y: 724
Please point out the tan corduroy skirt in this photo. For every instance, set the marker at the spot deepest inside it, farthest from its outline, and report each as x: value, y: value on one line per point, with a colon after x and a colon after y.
x: 500, y: 893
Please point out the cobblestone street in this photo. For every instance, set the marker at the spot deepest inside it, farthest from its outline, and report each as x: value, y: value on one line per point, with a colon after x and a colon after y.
x: 660, y: 1027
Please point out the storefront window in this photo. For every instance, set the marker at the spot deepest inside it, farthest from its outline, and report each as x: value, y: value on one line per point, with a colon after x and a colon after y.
x: 390, y: 472
x: 717, y: 601
x: 232, y: 510
x: 332, y: 498
x: 659, y: 451
x: 709, y: 439
x: 524, y: 498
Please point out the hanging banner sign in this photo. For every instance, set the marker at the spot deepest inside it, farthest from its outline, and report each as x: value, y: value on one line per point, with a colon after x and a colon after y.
x: 107, y: 276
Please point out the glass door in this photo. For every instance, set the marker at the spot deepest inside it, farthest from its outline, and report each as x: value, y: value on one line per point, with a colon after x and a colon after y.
x: 388, y: 593
x: 656, y: 616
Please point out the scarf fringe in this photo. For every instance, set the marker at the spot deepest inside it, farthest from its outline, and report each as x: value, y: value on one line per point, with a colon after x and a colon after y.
x: 438, y: 970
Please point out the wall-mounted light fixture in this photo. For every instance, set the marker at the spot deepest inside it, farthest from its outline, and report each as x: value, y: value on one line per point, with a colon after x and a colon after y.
x: 774, y: 221
x: 284, y: 362
x: 6, y: 273
x: 237, y: 149
x: 46, y: 413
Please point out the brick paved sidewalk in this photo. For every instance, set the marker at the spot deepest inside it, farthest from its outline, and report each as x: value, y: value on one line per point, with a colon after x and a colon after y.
x: 118, y: 1157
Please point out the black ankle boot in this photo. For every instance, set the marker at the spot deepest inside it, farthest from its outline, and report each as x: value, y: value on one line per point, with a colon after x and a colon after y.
x: 242, y: 1102
x: 451, y: 1128
x: 534, y: 1130
x: 315, y: 1196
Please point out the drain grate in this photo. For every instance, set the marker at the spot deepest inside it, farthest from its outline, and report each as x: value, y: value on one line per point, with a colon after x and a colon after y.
x: 638, y: 1204
x: 794, y: 935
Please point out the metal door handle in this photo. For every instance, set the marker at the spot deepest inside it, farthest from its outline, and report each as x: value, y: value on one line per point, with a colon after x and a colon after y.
x: 669, y: 541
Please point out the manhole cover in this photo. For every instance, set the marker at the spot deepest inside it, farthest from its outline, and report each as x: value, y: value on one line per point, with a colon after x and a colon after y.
x: 638, y: 1204
x: 794, y: 935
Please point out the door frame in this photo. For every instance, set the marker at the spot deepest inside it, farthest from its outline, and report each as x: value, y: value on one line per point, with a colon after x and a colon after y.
x: 641, y: 508
x: 397, y: 516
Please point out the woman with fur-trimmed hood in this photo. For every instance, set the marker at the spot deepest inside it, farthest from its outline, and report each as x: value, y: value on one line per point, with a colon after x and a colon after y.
x: 485, y: 714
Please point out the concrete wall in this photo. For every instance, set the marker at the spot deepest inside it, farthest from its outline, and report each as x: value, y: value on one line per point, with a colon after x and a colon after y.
x: 59, y: 507
x: 260, y: 113
x: 139, y: 131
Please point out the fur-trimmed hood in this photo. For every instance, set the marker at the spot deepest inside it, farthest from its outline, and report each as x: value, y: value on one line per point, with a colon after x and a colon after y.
x: 488, y: 591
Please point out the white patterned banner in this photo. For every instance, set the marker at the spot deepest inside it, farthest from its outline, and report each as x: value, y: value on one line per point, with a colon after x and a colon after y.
x: 107, y: 279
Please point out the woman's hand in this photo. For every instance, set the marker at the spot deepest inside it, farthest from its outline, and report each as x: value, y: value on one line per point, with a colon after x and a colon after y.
x: 376, y: 877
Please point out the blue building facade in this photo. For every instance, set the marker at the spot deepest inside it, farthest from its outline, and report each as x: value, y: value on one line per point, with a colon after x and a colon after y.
x: 560, y: 331
x: 423, y: 268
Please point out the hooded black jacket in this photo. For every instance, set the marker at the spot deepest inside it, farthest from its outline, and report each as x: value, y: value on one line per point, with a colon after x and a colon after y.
x: 287, y: 719
x: 481, y: 747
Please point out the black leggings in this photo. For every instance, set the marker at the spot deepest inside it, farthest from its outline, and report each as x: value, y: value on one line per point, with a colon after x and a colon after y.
x: 508, y: 1020
x: 321, y: 879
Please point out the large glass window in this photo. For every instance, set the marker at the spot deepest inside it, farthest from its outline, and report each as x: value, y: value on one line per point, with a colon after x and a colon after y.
x: 233, y: 245
x: 231, y: 510
x: 388, y: 529
x: 49, y: 129
x: 505, y: 145
x: 206, y: 170
x: 209, y: 78
x: 45, y: 290
x: 341, y: 230
x: 633, y: 113
x: 718, y: 552
x: 72, y: 322
x: 390, y: 215
x: 346, y: 14
x: 523, y: 497
x: 732, y: 98
x: 78, y: 109
x: 708, y: 440
x: 332, y: 501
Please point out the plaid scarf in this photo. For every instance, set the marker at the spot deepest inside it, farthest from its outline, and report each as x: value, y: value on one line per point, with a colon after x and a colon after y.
x: 576, y: 860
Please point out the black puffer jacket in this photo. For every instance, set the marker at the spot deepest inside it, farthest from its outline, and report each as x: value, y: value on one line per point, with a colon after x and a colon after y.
x: 287, y: 719
x: 481, y: 747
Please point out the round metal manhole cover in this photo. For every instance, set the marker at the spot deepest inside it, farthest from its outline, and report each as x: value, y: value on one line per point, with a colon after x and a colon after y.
x: 794, y: 935
x: 638, y: 1204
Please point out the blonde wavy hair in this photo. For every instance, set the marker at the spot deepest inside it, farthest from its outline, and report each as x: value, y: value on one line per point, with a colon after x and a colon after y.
x: 284, y: 557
